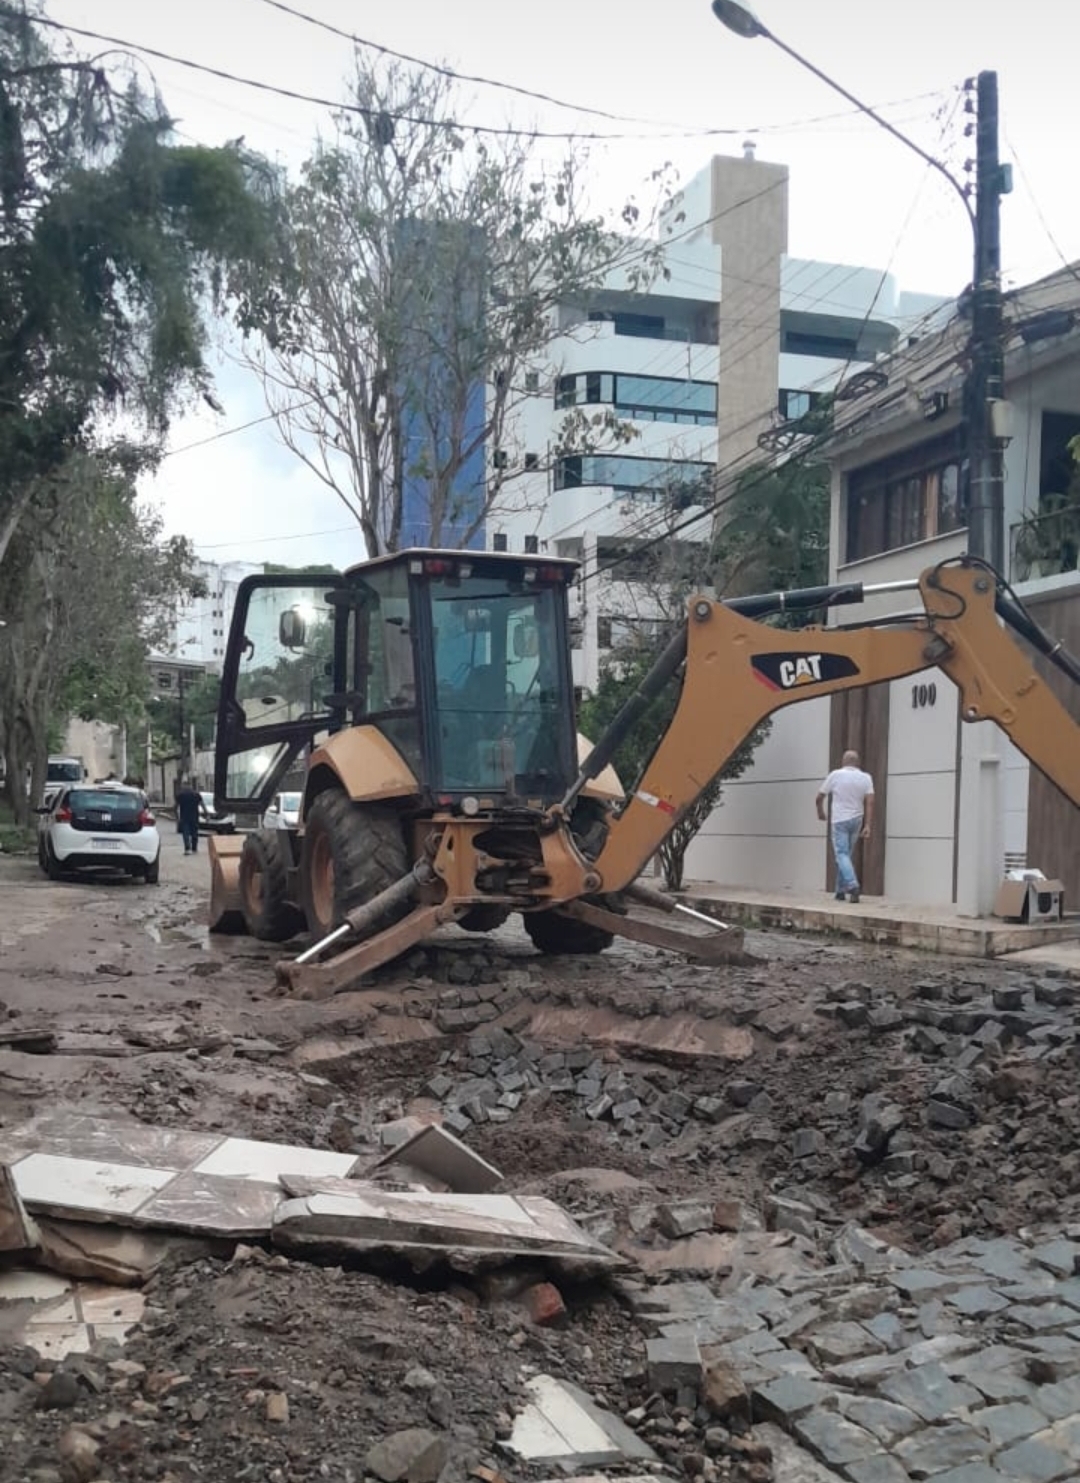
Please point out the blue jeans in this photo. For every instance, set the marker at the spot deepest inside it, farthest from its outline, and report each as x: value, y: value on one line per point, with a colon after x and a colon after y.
x: 844, y: 836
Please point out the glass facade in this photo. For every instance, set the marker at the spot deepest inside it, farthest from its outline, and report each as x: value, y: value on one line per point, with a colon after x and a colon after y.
x: 642, y: 398
x: 629, y: 475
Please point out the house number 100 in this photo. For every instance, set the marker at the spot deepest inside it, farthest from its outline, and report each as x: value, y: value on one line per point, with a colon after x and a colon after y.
x: 923, y: 695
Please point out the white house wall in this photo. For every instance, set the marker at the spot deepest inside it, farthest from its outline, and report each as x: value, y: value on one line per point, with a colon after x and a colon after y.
x: 920, y: 791
x: 766, y: 833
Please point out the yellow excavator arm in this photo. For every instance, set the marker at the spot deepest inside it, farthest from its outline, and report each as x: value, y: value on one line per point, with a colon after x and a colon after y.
x: 737, y: 671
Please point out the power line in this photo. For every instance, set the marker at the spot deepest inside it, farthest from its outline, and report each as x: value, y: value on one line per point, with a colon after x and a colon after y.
x: 336, y: 105
x: 540, y: 97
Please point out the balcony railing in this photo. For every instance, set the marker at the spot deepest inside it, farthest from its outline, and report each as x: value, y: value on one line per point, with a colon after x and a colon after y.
x: 1045, y: 545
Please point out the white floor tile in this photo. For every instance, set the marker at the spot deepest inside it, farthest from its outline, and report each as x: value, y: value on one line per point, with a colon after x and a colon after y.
x: 39, y: 1287
x: 56, y: 1340
x: 244, y: 1158
x: 52, y: 1182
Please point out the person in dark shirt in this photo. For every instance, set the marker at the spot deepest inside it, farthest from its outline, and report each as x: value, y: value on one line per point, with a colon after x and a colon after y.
x: 188, y: 808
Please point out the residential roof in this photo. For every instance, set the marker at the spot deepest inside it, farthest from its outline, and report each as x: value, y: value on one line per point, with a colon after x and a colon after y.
x: 923, y: 380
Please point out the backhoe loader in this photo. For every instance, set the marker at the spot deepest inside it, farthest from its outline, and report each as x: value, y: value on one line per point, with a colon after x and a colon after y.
x: 423, y: 704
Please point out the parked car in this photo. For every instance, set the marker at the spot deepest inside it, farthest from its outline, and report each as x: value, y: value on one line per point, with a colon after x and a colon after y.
x: 213, y: 822
x: 99, y: 826
x: 284, y: 812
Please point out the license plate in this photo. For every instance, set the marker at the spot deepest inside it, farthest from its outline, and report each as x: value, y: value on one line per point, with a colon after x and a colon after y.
x: 107, y: 844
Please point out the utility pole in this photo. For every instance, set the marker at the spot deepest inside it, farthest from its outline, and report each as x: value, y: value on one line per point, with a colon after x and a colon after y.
x: 984, y: 390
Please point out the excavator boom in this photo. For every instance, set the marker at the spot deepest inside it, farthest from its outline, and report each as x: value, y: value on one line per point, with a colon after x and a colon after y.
x: 739, y: 671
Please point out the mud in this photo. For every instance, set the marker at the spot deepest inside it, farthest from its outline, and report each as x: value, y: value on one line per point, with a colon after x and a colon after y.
x: 154, y: 1019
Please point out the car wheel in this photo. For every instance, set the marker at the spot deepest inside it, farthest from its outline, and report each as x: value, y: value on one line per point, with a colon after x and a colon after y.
x: 53, y: 868
x: 41, y: 858
x: 152, y: 873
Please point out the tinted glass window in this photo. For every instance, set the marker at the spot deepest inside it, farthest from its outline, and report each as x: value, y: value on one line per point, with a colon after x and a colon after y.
x: 105, y: 800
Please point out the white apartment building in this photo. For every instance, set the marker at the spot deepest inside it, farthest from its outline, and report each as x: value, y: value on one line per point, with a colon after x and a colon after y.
x: 201, y: 627
x: 736, y: 339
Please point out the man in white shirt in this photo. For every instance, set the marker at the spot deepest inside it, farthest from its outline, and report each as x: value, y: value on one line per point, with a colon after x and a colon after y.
x: 852, y: 794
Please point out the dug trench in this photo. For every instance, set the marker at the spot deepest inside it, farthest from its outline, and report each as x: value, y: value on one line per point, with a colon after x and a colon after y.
x: 729, y: 1132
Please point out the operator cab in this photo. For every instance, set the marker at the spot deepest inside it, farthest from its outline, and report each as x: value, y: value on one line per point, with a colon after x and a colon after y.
x: 459, y: 659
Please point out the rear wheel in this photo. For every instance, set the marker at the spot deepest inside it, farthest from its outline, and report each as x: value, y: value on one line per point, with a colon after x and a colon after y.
x: 264, y: 887
x: 53, y: 868
x: 554, y: 934
x: 483, y: 918
x: 351, y: 852
x: 152, y: 874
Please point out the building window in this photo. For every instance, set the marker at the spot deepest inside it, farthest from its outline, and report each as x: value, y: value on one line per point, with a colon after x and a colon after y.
x: 641, y: 398
x: 634, y: 476
x: 827, y: 347
x: 792, y: 403
x: 906, y: 499
x: 532, y: 380
x: 532, y: 461
x: 643, y: 326
x: 500, y: 459
x: 603, y: 633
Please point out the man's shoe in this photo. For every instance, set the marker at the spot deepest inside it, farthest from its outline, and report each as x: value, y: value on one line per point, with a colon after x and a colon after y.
x: 853, y: 897
x: 840, y: 896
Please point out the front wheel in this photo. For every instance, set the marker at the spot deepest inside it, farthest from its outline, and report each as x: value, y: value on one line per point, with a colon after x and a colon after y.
x: 351, y: 852
x: 553, y: 934
x: 269, y: 915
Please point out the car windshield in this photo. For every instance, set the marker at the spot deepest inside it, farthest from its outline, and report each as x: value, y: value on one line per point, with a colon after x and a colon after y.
x: 104, y: 800
x: 208, y: 802
x: 290, y: 803
x: 63, y: 772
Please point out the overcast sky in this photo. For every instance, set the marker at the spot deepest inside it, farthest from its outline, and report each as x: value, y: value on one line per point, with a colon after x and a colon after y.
x: 857, y: 196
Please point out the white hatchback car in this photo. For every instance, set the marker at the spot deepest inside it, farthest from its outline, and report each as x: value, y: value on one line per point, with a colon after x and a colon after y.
x: 103, y: 825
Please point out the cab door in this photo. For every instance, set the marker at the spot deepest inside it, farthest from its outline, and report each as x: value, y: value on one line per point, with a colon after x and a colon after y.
x: 288, y: 645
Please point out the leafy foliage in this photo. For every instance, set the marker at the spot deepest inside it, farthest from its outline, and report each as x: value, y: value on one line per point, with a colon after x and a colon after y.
x: 114, y: 242
x: 775, y: 531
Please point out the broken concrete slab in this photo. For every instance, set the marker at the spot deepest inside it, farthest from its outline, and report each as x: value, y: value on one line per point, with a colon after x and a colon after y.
x: 438, y: 1153
x: 563, y: 1425
x: 100, y: 1253
x: 415, y: 1455
x: 16, y: 1228
x: 465, y: 1231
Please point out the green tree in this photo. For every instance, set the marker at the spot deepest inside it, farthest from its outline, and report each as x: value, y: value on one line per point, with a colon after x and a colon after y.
x: 115, y: 241
x: 774, y: 532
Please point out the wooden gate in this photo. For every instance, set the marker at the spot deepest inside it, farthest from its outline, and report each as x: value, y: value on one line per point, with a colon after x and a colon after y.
x: 859, y: 721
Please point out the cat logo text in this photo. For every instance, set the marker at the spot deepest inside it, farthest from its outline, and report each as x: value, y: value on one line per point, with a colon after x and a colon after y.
x: 791, y: 671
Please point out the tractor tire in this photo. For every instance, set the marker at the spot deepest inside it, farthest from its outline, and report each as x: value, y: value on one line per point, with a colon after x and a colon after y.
x: 351, y: 852
x: 554, y: 934
x: 264, y: 883
x: 483, y: 918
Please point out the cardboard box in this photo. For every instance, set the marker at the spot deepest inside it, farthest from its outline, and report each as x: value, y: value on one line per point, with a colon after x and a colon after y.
x: 1030, y: 901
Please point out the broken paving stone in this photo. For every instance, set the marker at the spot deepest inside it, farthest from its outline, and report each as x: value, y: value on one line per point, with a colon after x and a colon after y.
x: 840, y: 1343
x: 685, y: 1218
x: 674, y: 1361
x: 563, y: 1425
x: 976, y: 1302
x: 741, y: 1093
x: 791, y: 1396
x: 834, y: 1440
x: 948, y: 1115
x: 709, y: 1109
x: 931, y: 1394
x: 888, y: 1421
x: 1008, y: 996
x: 1054, y: 993
x: 1060, y: 1257
x: 783, y: 1214
x: 418, y: 1380
x: 957, y: 1090
x: 878, y: 1124
x: 853, y: 1014
x: 806, y: 1143
x: 883, y: 1018
x: 1009, y: 1423
x: 415, y: 1455
x: 939, y: 1448
x: 1033, y: 1462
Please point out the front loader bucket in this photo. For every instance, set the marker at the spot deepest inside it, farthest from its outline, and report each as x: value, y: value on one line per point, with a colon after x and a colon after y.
x: 225, y: 910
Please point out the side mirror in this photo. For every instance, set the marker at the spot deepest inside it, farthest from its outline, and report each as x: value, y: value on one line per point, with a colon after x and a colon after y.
x: 526, y: 641
x: 44, y: 809
x: 292, y: 630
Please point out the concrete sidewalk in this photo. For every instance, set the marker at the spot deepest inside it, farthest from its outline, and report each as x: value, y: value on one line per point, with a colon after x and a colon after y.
x: 895, y: 923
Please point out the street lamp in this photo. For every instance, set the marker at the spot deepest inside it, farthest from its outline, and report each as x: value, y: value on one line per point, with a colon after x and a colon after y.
x: 984, y: 385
